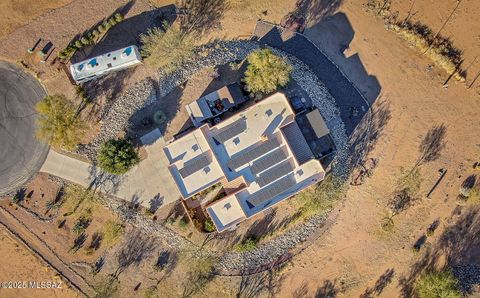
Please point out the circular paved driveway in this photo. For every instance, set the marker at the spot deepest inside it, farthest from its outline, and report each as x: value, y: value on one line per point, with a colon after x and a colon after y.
x: 21, y: 154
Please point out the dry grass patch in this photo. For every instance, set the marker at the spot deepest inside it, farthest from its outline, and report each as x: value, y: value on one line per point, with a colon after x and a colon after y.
x: 438, y: 49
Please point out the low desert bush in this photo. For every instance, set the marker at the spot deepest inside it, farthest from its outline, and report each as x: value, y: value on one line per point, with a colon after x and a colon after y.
x: 112, y: 232
x: 208, y: 225
x: 247, y: 244
x: 321, y: 199
x: 438, y: 284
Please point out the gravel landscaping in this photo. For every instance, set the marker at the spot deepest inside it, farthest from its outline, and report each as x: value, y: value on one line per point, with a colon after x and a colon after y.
x: 147, y: 92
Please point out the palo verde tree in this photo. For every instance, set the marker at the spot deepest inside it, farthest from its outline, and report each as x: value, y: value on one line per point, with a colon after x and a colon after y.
x: 266, y: 72
x: 166, y: 47
x: 117, y: 156
x: 58, y: 123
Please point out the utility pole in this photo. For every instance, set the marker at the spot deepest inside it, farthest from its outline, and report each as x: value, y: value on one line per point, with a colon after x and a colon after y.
x: 447, y: 20
x: 409, y: 14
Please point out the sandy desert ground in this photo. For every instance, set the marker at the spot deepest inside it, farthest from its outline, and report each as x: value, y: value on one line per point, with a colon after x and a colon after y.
x: 355, y: 253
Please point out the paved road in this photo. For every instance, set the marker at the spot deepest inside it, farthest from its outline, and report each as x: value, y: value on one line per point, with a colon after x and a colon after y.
x: 21, y: 154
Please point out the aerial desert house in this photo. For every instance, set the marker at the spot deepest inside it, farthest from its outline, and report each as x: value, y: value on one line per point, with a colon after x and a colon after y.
x: 101, y: 65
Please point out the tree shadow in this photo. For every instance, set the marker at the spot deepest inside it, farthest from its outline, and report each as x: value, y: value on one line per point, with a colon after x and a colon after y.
x: 301, y: 291
x: 315, y: 10
x: 98, y: 265
x: 134, y: 250
x: 262, y: 226
x: 106, y: 88
x: 256, y: 285
x: 78, y: 242
x: 432, y: 144
x: 457, y: 245
x: 142, y: 121
x: 363, y: 140
x: 104, y: 182
x: 384, y: 280
x: 201, y: 16
x: 156, y: 202
x: 81, y: 54
x: 96, y: 241
x: 329, y: 289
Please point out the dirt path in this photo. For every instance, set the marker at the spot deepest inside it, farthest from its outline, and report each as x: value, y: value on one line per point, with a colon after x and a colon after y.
x: 34, y: 243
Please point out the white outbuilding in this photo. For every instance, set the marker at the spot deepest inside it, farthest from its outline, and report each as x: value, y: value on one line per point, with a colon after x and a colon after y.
x: 101, y: 65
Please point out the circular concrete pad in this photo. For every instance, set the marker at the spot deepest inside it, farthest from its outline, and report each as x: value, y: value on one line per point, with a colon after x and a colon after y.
x: 21, y: 154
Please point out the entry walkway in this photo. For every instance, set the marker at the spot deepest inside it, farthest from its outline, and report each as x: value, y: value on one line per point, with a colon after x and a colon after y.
x: 148, y: 183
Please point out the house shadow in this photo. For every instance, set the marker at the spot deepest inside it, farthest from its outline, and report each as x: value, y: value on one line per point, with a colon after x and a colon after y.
x: 322, y: 48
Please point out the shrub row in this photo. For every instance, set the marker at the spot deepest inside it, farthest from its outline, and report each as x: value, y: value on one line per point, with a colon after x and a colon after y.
x: 91, y: 37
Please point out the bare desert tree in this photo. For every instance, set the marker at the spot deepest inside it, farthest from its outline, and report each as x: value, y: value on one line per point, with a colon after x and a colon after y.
x: 201, y: 16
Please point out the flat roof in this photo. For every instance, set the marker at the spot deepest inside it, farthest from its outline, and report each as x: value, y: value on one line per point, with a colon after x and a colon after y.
x: 251, y: 145
x: 192, y: 163
x: 317, y: 123
x: 109, y: 61
x: 226, y: 212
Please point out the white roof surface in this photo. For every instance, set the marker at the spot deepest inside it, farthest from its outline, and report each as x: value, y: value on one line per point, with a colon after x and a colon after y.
x: 262, y: 124
x: 226, y: 212
x: 107, y: 62
x: 189, y: 149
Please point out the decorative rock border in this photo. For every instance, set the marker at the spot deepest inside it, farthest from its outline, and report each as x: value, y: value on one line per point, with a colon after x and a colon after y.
x: 146, y: 92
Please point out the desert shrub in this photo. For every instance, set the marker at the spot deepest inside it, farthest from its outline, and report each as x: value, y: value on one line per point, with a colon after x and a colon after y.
x: 76, y: 197
x: 167, y: 47
x: 208, y: 225
x: 84, y: 40
x: 58, y: 124
x: 112, y: 21
x: 82, y: 93
x: 159, y: 117
x: 118, y: 17
x: 78, y: 44
x: 107, y: 288
x: 117, y: 156
x: 321, y: 199
x: 81, y: 224
x: 437, y: 284
x: 247, y: 244
x: 107, y: 25
x: 101, y: 28
x: 440, y: 50
x: 96, y: 32
x: 406, y: 193
x: 112, y: 232
x: 183, y: 223
x: 266, y: 72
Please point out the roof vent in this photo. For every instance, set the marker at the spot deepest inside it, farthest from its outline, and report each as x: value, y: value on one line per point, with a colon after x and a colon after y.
x: 126, y: 52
